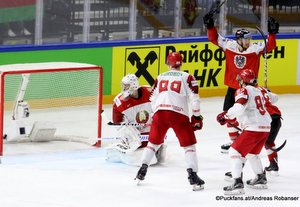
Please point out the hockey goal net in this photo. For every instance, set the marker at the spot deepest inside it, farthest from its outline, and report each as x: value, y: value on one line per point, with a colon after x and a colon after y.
x: 50, y: 101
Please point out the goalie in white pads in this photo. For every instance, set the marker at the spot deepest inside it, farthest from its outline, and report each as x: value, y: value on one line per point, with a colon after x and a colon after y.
x: 250, y: 110
x: 132, y: 109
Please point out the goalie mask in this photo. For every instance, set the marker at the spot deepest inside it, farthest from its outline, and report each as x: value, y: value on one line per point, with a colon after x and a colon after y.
x: 130, y: 84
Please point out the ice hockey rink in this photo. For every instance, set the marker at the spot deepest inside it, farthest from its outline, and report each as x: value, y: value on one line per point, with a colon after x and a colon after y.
x: 69, y: 174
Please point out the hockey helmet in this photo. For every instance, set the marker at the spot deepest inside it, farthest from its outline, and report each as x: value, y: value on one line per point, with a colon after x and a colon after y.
x: 174, y: 59
x: 247, y: 76
x: 243, y: 33
x: 129, y: 84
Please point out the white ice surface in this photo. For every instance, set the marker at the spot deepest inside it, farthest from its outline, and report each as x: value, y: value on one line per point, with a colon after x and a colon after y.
x: 62, y: 174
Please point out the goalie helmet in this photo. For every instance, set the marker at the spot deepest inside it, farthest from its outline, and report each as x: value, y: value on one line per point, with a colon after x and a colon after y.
x: 243, y: 33
x: 174, y: 59
x: 129, y: 83
x: 247, y: 76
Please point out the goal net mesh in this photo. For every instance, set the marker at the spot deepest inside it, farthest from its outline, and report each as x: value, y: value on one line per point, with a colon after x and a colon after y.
x: 64, y: 100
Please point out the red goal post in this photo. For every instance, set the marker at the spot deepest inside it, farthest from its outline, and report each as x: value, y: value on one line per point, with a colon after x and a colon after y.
x: 48, y: 68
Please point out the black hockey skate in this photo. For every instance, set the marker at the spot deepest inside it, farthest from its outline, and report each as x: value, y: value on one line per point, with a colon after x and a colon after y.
x: 228, y: 176
x: 259, y: 182
x: 237, y: 188
x: 195, y: 181
x: 141, y: 173
x: 225, y: 147
x: 272, y: 168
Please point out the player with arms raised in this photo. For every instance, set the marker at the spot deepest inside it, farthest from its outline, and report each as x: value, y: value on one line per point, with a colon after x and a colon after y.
x: 174, y: 93
x: 240, y: 54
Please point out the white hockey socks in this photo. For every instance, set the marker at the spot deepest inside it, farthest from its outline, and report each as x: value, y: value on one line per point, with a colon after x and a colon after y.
x: 236, y: 162
x: 255, y: 163
x: 149, y: 152
x: 191, y: 157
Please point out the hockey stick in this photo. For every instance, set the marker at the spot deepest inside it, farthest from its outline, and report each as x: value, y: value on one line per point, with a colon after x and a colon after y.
x: 265, y: 56
x: 127, y: 124
x: 213, y: 11
x: 273, y: 149
x: 278, y: 148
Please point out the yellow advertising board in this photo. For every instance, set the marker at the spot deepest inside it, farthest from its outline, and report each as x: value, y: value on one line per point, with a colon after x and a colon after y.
x: 203, y: 60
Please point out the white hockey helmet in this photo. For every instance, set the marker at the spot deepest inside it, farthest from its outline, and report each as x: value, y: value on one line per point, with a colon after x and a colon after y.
x: 130, y: 84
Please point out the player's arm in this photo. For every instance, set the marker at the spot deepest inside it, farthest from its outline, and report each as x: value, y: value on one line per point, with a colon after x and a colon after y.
x: 241, y: 98
x: 213, y: 35
x: 194, y: 95
x: 273, y: 28
x: 194, y: 99
x: 271, y: 42
x: 117, y: 115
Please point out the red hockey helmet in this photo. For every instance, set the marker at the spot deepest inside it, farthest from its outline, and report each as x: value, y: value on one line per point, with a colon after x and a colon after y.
x: 247, y: 76
x: 174, y: 59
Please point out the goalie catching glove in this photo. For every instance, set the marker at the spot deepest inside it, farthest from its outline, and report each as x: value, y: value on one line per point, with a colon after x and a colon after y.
x: 197, y: 122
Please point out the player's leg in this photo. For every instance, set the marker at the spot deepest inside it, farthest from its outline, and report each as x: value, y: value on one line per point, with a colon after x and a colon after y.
x: 270, y: 143
x: 232, y: 132
x: 244, y: 144
x: 236, y: 162
x: 159, y: 128
x: 186, y: 136
x: 260, y: 180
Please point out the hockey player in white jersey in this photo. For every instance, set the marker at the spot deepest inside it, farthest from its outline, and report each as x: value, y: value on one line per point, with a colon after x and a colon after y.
x: 174, y: 92
x: 132, y: 110
x: 250, y: 111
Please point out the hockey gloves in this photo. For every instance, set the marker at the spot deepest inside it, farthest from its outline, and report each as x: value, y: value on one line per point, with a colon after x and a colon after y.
x: 221, y: 118
x: 273, y: 26
x: 208, y: 20
x: 197, y: 122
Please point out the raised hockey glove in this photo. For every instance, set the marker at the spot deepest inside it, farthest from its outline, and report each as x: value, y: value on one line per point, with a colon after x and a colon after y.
x: 273, y: 26
x: 208, y: 20
x: 221, y: 118
x: 197, y: 122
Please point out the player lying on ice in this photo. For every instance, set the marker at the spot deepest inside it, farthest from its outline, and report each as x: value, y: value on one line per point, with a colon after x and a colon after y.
x: 132, y: 110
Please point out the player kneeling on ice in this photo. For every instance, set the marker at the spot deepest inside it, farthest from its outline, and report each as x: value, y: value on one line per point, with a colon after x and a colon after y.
x: 174, y: 92
x: 250, y: 110
x: 132, y: 110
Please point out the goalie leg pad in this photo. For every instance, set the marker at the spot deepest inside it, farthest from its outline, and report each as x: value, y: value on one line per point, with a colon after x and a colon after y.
x: 131, y: 136
x: 161, y: 154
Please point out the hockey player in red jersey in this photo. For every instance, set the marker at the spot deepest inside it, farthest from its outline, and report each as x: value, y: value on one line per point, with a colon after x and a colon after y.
x: 250, y: 111
x: 275, y: 113
x: 132, y: 109
x: 175, y: 92
x: 240, y: 54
